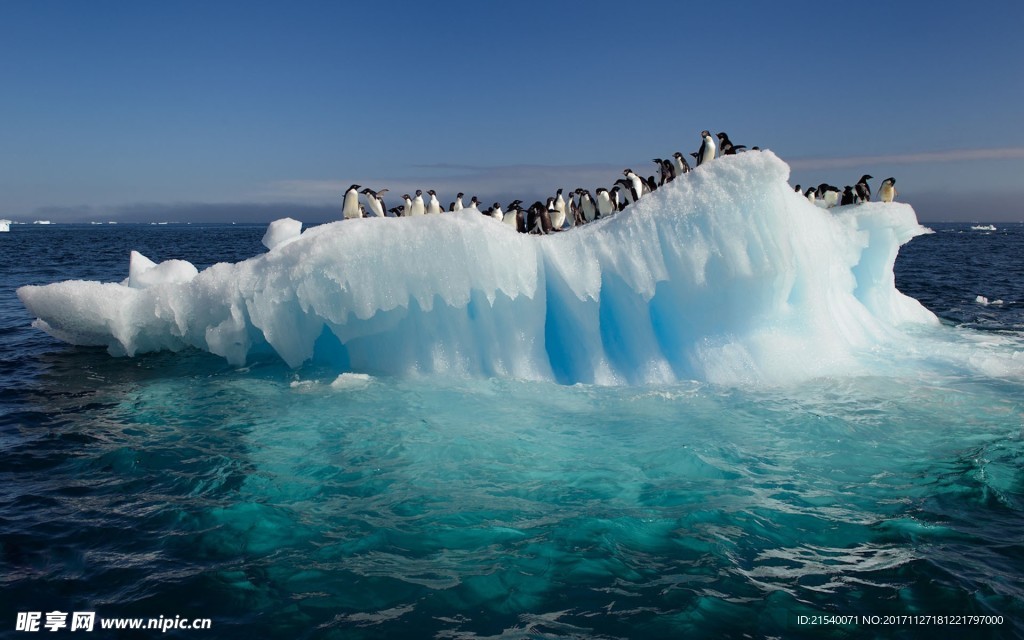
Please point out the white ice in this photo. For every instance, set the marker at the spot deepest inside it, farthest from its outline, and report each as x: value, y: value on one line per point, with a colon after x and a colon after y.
x: 281, y: 232
x: 5, y: 226
x: 724, y: 275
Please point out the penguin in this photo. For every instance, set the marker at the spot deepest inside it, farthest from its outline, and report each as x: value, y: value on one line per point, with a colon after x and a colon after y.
x: 395, y: 211
x: 681, y: 165
x: 417, y: 205
x: 798, y: 189
x: 555, y: 214
x: 726, y: 146
x: 662, y: 177
x: 457, y: 205
x: 350, y: 208
x: 706, y: 153
x: 811, y: 194
x: 433, y: 206
x: 512, y: 211
x: 573, y: 212
x: 650, y: 185
x: 558, y: 218
x: 887, y: 190
x: 407, y: 209
x: 625, y: 187
x: 605, y: 206
x: 862, y: 189
x: 474, y: 203
x: 828, y: 195
x: 511, y: 217
x: 666, y: 173
x: 587, y: 206
x: 848, y: 197
x: 616, y: 200
x: 374, y: 201
x: 636, y: 183
x: 537, y: 219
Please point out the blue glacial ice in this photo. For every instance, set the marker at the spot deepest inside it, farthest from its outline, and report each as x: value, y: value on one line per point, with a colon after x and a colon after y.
x: 724, y: 275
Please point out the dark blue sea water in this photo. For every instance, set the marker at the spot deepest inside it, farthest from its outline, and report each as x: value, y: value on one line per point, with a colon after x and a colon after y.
x: 277, y: 505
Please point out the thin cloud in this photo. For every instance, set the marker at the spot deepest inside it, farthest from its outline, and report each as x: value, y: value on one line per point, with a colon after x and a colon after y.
x: 488, y: 183
x: 927, y: 157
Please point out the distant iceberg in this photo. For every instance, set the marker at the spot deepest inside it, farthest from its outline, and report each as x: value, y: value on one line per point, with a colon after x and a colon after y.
x: 983, y: 227
x: 724, y: 275
x: 5, y: 226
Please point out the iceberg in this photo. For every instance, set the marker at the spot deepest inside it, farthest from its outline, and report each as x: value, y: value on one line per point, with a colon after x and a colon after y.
x: 723, y: 275
x: 5, y: 226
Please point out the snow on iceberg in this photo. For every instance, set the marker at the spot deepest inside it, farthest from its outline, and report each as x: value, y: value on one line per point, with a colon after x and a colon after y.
x: 724, y: 275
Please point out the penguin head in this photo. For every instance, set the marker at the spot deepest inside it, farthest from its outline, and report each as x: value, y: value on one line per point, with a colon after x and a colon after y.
x: 705, y: 134
x: 460, y: 195
x: 431, y: 192
x: 891, y: 181
x: 865, y: 178
x: 406, y: 196
x: 354, y: 187
x: 419, y: 193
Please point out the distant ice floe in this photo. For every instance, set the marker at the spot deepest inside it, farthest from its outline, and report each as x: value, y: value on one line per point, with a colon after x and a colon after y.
x: 983, y: 227
x: 983, y: 301
x: 5, y: 226
x: 724, y: 275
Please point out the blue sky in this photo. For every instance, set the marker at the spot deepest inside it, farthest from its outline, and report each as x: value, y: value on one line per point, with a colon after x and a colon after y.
x: 221, y: 110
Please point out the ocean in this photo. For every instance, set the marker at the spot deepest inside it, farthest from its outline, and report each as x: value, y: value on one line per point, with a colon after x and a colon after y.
x: 279, y: 502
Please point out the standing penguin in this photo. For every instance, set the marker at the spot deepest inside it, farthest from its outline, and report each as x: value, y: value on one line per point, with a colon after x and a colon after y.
x: 572, y: 210
x: 433, y: 205
x: 848, y: 197
x: 587, y: 206
x: 350, y: 209
x: 862, y: 189
x: 680, y: 163
x: 887, y: 190
x: 603, y: 199
x: 558, y: 218
x: 457, y: 205
x: 636, y: 183
x: 418, y: 209
x: 811, y: 194
x: 375, y: 201
x: 706, y: 153
x: 407, y: 208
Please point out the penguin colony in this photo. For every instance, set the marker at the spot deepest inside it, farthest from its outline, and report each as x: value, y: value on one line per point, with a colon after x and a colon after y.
x: 579, y: 206
x: 827, y: 195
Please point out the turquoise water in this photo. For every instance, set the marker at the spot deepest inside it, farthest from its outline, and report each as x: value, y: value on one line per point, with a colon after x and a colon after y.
x: 293, y: 503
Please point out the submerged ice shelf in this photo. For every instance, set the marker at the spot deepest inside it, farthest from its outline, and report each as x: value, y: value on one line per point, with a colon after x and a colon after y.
x: 724, y: 275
